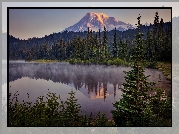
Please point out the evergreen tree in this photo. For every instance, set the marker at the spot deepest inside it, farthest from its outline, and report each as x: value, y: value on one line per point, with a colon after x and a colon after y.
x: 74, y: 48
x: 105, y: 44
x: 162, y: 45
x: 135, y: 107
x: 114, y: 46
x: 95, y: 48
x: 79, y: 48
x: 168, y: 47
x: 149, y: 46
x: 156, y: 36
x: 100, y: 47
x: 120, y: 49
x: 85, y: 49
x: 125, y: 50
x: 88, y: 44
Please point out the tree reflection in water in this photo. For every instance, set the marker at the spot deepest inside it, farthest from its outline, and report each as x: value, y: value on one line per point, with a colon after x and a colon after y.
x: 94, y: 78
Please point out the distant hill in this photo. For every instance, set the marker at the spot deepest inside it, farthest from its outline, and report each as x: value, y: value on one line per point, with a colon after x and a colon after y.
x: 18, y: 46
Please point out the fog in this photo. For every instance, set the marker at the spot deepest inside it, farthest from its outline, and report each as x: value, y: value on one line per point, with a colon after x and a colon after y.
x: 77, y: 74
x: 96, y: 86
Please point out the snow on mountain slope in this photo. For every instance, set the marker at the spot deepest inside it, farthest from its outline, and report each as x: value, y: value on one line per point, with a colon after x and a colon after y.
x: 96, y: 21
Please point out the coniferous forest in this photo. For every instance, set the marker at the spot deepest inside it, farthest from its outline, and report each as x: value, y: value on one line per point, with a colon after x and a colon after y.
x: 145, y: 46
x: 96, y: 47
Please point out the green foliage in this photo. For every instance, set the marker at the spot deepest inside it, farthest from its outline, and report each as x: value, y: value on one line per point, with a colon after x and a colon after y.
x: 118, y: 62
x: 165, y: 67
x: 147, y: 64
x: 137, y: 107
x: 52, y: 112
x: 97, y: 50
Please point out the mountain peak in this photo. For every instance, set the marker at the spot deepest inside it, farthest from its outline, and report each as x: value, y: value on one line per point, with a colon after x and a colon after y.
x: 98, y: 14
x: 96, y: 21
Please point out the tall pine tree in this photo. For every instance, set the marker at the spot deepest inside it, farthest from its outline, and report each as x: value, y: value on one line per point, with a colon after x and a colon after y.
x: 134, y: 108
x: 114, y: 46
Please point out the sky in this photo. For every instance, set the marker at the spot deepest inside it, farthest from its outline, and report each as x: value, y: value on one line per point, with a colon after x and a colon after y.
x: 30, y: 23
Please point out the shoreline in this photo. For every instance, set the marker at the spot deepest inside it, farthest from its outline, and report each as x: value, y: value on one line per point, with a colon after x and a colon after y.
x: 164, y: 67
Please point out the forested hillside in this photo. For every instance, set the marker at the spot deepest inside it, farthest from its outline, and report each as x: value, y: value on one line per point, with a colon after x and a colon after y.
x: 96, y: 46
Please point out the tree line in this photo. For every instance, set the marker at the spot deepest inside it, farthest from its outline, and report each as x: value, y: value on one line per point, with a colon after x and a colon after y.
x: 100, y: 46
x: 141, y: 103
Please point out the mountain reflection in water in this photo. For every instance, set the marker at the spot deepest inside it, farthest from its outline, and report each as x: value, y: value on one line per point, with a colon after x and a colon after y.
x: 97, y: 86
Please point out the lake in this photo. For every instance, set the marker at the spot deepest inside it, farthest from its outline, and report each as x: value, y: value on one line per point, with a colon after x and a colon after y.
x: 96, y: 86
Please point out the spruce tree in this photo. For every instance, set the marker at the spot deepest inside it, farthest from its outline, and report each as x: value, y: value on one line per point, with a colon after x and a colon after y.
x: 149, y: 46
x: 105, y: 44
x: 100, y: 47
x: 95, y: 49
x: 156, y: 36
x: 133, y: 108
x: 161, y: 41
x: 168, y: 43
x: 85, y: 49
x: 114, y: 46
x: 120, y: 49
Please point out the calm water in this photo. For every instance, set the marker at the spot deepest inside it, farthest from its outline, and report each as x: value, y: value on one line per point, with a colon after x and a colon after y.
x: 96, y: 86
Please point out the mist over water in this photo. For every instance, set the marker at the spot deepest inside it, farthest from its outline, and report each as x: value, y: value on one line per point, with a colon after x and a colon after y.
x: 96, y: 86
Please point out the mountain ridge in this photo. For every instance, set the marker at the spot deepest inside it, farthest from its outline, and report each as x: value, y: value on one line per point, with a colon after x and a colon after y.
x: 96, y: 21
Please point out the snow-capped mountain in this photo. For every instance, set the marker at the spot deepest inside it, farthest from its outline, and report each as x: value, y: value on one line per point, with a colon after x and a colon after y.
x: 96, y: 21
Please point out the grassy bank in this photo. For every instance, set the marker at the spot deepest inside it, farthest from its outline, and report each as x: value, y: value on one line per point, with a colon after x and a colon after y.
x: 117, y: 62
x: 165, y: 68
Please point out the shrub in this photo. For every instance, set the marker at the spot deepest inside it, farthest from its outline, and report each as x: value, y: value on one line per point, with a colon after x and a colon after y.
x: 52, y: 112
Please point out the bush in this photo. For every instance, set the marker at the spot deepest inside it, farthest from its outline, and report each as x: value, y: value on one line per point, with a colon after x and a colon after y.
x: 118, y: 62
x: 52, y: 112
